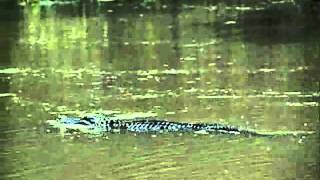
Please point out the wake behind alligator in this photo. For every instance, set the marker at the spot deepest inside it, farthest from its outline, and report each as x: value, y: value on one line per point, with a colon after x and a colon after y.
x: 100, y: 124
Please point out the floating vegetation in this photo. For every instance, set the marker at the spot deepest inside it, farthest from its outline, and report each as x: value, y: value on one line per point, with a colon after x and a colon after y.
x: 271, y: 93
x: 146, y: 96
x: 105, y: 0
x: 302, y: 104
x: 23, y: 71
x: 10, y: 71
x: 243, y: 8
x: 230, y: 22
x: 96, y: 83
x: 48, y: 3
x: 192, y: 90
x: 292, y: 93
x: 282, y: 1
x: 167, y: 71
x: 184, y: 110
x: 219, y: 97
x: 170, y: 113
x: 191, y: 82
x: 202, y: 44
x: 261, y: 95
x: 211, y: 8
x: 266, y: 70
x: 189, y: 59
x: 7, y: 95
x: 175, y: 71
x: 142, y: 79
x: 79, y: 72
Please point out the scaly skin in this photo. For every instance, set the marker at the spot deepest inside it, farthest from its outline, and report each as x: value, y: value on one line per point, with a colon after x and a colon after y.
x: 99, y: 124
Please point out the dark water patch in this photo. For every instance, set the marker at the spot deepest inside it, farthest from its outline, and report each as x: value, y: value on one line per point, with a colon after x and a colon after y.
x: 290, y: 22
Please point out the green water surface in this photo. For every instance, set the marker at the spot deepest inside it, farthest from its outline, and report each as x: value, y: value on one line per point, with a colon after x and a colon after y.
x: 253, y: 64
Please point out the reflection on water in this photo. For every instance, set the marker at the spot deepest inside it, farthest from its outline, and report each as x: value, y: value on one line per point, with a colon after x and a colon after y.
x: 251, y: 64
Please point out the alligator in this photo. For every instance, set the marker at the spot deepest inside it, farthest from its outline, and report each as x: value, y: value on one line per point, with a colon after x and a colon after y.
x: 100, y: 124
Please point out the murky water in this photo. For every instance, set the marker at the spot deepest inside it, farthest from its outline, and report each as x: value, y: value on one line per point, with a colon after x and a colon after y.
x: 253, y: 64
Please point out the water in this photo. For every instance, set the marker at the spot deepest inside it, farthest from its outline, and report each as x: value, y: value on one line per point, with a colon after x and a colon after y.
x: 249, y: 64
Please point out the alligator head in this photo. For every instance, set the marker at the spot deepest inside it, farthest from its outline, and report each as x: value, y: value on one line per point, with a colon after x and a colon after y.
x: 88, y: 124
